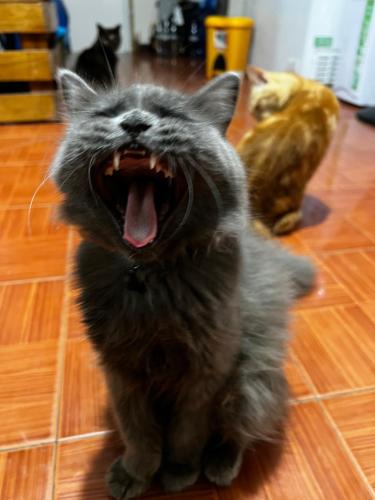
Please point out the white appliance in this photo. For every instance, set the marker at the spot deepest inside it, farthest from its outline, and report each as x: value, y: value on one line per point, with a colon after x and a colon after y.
x: 332, y: 41
x: 355, y: 79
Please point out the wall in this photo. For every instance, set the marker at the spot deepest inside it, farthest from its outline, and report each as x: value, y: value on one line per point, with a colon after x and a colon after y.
x: 84, y: 14
x: 280, y: 28
x: 145, y: 15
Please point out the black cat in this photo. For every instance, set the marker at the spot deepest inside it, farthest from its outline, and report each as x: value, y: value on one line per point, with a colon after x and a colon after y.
x: 98, y: 64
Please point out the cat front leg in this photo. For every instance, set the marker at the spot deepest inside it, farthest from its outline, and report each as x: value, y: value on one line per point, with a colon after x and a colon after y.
x: 223, y: 459
x: 187, y: 436
x: 131, y: 474
x: 250, y: 409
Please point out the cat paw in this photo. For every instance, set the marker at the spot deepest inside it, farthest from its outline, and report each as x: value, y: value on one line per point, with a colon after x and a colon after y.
x: 287, y: 223
x: 262, y: 229
x: 176, y: 477
x: 223, y: 464
x: 122, y: 485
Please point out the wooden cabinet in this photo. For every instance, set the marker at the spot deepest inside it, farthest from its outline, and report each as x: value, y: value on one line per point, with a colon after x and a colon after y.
x: 34, y: 22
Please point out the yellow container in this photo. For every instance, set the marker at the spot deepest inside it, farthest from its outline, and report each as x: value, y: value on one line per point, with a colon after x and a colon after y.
x: 227, y: 43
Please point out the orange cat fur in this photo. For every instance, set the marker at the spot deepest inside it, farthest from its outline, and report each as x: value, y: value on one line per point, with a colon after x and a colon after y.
x: 296, y: 120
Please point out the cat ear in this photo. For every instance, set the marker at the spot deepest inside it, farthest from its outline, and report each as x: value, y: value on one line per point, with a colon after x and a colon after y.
x: 117, y: 28
x: 256, y: 76
x: 99, y: 27
x: 76, y: 92
x: 217, y: 100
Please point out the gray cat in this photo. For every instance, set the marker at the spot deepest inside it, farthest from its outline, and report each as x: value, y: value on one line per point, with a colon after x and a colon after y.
x: 186, y: 307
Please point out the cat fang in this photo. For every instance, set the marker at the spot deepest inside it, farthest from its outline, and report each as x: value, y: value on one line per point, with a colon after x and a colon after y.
x: 140, y: 190
x: 155, y: 163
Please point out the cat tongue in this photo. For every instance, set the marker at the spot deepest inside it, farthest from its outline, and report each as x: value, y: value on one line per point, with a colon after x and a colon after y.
x: 141, y: 222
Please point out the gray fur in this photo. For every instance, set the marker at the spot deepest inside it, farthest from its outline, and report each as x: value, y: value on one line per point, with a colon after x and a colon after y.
x: 192, y: 341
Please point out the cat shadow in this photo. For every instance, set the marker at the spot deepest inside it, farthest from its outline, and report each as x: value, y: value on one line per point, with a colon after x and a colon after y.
x: 106, y: 448
x: 259, y: 464
x: 314, y: 211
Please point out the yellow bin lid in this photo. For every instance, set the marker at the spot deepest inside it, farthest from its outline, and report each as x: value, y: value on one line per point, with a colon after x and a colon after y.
x: 228, y: 22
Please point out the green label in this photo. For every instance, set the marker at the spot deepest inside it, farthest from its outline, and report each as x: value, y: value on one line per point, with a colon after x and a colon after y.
x: 323, y: 41
x: 362, y: 41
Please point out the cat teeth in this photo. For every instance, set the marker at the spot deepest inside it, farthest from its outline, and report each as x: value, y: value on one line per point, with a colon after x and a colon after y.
x: 168, y: 172
x: 153, y: 161
x: 165, y: 169
x: 108, y: 171
x: 116, y: 160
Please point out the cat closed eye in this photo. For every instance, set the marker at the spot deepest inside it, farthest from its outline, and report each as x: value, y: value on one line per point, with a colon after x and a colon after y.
x: 106, y: 113
x: 103, y: 114
x: 165, y: 112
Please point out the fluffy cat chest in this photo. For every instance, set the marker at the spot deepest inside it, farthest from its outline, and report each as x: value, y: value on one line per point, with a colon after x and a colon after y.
x: 166, y: 364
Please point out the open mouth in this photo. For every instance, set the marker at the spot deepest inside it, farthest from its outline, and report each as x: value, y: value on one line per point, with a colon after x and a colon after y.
x: 140, y: 190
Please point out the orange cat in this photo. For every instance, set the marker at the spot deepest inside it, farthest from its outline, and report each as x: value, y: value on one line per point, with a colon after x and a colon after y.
x: 296, y: 120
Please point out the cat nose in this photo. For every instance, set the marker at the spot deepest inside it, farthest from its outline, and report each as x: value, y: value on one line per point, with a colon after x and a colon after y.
x: 134, y: 129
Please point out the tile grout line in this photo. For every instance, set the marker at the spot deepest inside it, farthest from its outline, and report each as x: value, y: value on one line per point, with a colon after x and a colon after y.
x: 23, y: 206
x: 26, y: 445
x: 336, y: 279
x: 343, y: 251
x: 87, y: 435
x: 60, y: 367
x: 368, y: 234
x: 11, y: 191
x: 345, y: 447
x: 319, y: 399
x: 292, y: 357
x: 333, y: 395
x: 324, y: 307
x: 303, y: 400
x: 346, y: 392
x: 28, y: 281
x: 319, y: 255
x: 315, y: 393
x: 50, y: 441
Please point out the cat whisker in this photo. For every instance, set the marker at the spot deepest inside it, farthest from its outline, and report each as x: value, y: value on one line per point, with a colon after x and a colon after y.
x: 92, y: 190
x: 189, y: 206
x: 210, y: 184
x: 107, y: 62
x: 29, y: 228
x: 193, y: 74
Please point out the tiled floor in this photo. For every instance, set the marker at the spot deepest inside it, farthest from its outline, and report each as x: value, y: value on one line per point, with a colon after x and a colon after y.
x: 56, y: 433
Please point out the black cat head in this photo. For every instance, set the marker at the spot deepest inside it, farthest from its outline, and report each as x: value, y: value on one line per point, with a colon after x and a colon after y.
x: 110, y: 37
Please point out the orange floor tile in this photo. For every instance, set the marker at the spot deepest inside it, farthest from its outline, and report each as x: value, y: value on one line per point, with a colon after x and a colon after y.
x: 56, y: 431
x: 26, y: 474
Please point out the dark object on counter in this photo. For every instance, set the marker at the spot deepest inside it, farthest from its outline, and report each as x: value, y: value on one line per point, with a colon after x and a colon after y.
x: 181, y: 32
x: 367, y: 115
x: 166, y: 38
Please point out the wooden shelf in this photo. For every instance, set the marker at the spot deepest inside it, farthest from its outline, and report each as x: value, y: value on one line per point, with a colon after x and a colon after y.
x: 34, y: 106
x: 24, y: 1
x: 34, y: 64
x: 27, y: 17
x: 26, y: 65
